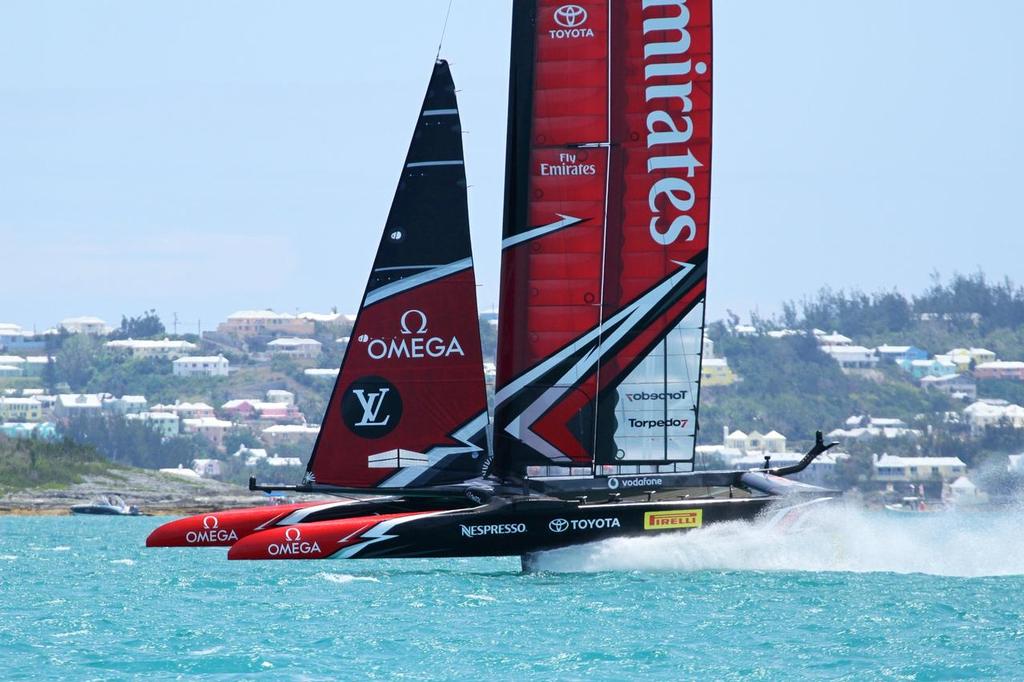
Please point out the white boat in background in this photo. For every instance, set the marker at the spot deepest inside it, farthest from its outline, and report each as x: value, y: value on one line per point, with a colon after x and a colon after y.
x: 107, y: 505
x: 916, y: 505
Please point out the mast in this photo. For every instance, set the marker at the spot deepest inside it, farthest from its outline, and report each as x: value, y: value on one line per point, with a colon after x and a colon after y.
x: 409, y: 407
x: 604, y: 251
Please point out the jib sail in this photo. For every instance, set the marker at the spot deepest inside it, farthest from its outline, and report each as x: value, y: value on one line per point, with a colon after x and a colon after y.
x: 409, y: 408
x: 604, y: 251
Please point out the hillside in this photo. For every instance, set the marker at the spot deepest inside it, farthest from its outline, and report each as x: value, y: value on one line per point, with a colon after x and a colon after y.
x: 790, y: 384
x: 37, y: 476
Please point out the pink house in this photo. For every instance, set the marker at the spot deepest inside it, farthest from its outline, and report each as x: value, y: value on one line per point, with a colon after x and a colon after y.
x: 250, y: 409
x: 1000, y: 369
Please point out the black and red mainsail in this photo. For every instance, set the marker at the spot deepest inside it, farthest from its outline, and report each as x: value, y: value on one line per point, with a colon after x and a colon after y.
x: 604, y: 251
x: 409, y: 408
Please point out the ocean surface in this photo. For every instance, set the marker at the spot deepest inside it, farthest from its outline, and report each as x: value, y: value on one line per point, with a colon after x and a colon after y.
x: 851, y: 595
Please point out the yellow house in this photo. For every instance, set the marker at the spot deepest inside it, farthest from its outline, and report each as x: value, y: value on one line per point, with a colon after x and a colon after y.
x: 716, y: 372
x: 891, y: 468
x: 20, y: 410
x: 962, y: 357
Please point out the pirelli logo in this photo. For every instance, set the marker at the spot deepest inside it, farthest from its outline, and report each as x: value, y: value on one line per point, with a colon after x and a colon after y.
x: 673, y: 520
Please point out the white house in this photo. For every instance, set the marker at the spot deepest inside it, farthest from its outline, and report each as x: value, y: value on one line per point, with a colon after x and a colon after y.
x: 963, y: 493
x: 276, y: 395
x: 78, y: 404
x: 164, y: 423
x: 782, y: 333
x: 186, y: 410
x: 201, y: 365
x: 321, y: 372
x: 145, y: 348
x: 84, y: 325
x: 290, y: 433
x: 179, y: 471
x: 252, y: 455
x: 834, y: 339
x: 986, y: 413
x: 126, y: 404
x: 880, y: 422
x: 772, y: 442
x: 890, y: 468
x: 296, y: 347
x: 207, y: 468
x: 326, y: 318
x: 15, y: 362
x: 852, y: 357
x: 961, y: 386
x: 278, y: 461
x: 867, y: 432
x: 211, y: 428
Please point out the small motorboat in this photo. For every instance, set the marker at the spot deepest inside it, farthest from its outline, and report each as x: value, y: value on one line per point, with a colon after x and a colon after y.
x: 107, y: 505
x: 916, y: 505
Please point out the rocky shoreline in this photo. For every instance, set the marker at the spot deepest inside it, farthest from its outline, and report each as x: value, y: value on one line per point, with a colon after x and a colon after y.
x: 151, y: 491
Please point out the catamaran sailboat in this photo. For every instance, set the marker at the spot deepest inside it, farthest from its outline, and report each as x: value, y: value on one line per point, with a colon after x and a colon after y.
x: 604, y: 270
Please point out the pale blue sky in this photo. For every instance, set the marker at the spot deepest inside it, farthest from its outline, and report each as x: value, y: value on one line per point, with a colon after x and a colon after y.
x: 201, y: 157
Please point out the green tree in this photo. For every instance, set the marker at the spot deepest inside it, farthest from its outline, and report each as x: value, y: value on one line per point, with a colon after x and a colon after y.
x: 77, y: 359
x: 144, y: 326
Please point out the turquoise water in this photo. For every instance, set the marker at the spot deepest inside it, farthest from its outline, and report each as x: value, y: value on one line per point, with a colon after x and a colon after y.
x: 852, y: 595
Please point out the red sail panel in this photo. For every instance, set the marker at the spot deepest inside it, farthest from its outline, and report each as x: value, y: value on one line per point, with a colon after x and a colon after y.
x: 409, y: 408
x: 552, y: 261
x: 606, y: 370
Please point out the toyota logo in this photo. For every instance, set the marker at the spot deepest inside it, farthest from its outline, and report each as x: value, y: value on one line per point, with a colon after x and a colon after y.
x: 558, y: 525
x: 210, y: 522
x: 292, y: 534
x: 570, y: 16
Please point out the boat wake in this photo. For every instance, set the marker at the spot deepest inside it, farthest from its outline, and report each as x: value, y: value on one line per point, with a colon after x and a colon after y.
x: 344, y: 578
x: 835, y: 538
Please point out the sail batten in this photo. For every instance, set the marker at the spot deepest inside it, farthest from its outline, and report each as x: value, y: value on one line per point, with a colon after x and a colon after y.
x: 604, y: 250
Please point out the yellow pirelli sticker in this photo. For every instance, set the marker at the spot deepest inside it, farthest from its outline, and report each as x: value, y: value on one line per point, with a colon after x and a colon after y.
x: 673, y: 520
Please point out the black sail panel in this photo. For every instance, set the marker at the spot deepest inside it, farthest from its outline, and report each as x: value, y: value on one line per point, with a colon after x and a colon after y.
x: 409, y: 408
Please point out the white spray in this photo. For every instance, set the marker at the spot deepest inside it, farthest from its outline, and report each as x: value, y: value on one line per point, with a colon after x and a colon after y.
x: 829, y: 538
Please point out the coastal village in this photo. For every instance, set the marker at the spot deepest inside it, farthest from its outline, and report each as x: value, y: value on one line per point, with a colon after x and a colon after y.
x: 251, y: 391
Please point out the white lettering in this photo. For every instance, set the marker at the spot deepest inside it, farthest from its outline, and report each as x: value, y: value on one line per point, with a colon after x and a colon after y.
x: 492, y: 529
x: 293, y: 548
x: 614, y: 483
x: 210, y: 535
x: 371, y: 404
x: 547, y: 169
x: 666, y: 127
x: 657, y: 423
x: 562, y: 33
x: 590, y: 524
x: 674, y: 395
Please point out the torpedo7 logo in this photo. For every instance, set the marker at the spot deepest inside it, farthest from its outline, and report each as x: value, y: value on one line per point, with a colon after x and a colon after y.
x: 371, y: 407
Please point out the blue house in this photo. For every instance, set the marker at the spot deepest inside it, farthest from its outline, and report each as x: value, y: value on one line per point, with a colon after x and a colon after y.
x: 896, y: 354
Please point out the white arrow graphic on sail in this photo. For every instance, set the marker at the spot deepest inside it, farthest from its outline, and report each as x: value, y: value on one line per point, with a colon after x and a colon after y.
x: 533, y: 233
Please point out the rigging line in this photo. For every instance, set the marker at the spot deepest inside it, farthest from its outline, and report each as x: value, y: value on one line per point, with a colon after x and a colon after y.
x: 444, y: 28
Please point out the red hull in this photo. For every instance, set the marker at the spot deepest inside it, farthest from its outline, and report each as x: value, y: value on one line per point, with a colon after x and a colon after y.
x: 224, y: 528
x: 318, y: 540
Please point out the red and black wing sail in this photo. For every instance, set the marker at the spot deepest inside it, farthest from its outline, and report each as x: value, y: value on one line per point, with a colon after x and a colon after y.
x: 409, y: 408
x: 604, y: 251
